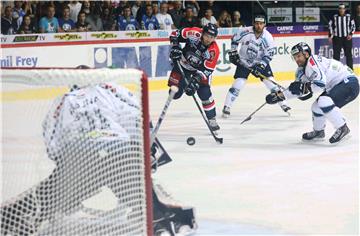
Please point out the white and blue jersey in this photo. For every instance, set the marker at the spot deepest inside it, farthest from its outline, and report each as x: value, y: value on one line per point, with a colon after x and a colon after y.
x: 127, y: 24
x: 150, y: 23
x: 253, y: 50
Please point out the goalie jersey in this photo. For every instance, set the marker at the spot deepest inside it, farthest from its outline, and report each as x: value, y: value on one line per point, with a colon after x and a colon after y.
x: 102, y: 112
x: 253, y: 50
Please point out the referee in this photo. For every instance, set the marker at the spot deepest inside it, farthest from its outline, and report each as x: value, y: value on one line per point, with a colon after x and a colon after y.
x: 341, y: 29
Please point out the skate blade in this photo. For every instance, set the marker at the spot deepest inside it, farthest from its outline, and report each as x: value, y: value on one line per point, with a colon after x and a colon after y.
x: 345, y: 138
x: 315, y: 140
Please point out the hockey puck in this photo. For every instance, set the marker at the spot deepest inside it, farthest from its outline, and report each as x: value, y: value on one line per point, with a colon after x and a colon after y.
x: 190, y: 141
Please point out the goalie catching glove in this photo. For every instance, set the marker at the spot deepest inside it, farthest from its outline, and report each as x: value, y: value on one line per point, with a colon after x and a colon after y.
x: 275, y: 97
x: 194, y: 83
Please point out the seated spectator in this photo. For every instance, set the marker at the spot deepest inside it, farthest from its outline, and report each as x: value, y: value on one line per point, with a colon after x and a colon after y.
x: 18, y: 13
x: 75, y: 8
x: 189, y: 20
x: 149, y: 21
x: 127, y: 22
x: 93, y: 18
x: 214, y: 6
x: 81, y: 24
x: 224, y: 19
x: 165, y: 20
x: 26, y: 26
x: 135, y: 8
x: 194, y: 5
x: 208, y: 18
x: 176, y: 13
x: 86, y: 7
x: 8, y: 24
x: 108, y: 20
x: 237, y: 22
x: 155, y: 7
x: 49, y: 23
x: 65, y: 23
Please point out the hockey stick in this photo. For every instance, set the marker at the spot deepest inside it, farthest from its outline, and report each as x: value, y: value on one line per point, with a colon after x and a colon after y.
x: 250, y: 116
x: 173, y: 91
x: 217, y: 139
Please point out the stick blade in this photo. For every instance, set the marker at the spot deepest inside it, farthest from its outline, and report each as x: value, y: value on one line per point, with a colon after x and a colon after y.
x: 247, y: 119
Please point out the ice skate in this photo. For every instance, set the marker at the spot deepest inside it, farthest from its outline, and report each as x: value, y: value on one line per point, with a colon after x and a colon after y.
x: 213, y: 124
x: 339, y: 134
x: 226, y: 112
x: 314, y: 135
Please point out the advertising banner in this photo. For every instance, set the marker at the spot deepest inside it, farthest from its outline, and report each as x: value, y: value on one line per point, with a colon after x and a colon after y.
x: 279, y: 15
x: 307, y: 14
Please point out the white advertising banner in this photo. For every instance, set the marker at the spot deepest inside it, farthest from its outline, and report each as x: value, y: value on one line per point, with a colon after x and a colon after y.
x: 279, y: 15
x: 307, y: 14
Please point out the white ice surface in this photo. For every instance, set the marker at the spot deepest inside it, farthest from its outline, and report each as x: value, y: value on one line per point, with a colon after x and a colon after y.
x: 263, y: 179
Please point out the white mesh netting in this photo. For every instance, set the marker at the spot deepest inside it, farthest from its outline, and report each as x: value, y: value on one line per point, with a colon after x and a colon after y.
x: 73, y: 153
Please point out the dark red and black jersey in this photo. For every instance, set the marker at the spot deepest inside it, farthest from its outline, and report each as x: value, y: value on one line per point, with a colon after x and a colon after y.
x: 196, y: 56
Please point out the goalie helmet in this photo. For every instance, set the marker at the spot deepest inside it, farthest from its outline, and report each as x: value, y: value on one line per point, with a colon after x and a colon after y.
x: 300, y: 47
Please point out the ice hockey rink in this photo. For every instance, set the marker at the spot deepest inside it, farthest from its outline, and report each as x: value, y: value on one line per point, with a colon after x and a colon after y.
x: 263, y: 179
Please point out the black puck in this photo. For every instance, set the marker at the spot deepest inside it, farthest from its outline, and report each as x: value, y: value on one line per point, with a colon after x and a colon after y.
x: 190, y: 141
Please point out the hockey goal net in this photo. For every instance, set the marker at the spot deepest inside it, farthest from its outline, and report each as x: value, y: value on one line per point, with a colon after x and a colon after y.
x: 75, y: 152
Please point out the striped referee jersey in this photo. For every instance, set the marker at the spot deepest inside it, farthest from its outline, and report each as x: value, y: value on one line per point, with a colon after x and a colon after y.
x: 341, y: 26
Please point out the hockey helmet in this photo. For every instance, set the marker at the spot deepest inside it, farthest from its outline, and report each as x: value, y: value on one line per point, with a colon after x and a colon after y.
x: 210, y: 29
x: 260, y: 18
x: 300, y: 47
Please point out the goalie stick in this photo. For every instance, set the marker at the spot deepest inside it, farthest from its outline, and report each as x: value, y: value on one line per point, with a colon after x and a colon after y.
x: 217, y: 139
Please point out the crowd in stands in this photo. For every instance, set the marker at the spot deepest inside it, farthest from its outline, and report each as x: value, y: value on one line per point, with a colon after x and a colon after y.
x: 26, y: 17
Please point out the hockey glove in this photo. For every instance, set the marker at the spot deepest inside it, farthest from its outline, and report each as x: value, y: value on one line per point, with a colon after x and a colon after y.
x: 234, y: 57
x: 194, y: 84
x: 275, y: 97
x: 258, y: 70
x: 175, y: 52
x: 300, y: 88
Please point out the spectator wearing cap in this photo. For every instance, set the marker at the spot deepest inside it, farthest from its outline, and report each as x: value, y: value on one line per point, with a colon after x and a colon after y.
x: 8, y: 24
x: 208, y: 18
x: 341, y: 29
x: 189, y: 20
x: 149, y: 21
x: 127, y: 22
x: 237, y: 22
x: 165, y: 20
x: 49, y: 23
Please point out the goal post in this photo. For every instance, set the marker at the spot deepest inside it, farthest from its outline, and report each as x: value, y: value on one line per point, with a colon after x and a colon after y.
x: 75, y: 152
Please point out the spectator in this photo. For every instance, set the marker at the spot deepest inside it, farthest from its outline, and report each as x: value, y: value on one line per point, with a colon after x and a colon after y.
x: 94, y: 18
x: 164, y: 19
x: 107, y: 18
x: 119, y: 11
x: 357, y: 18
x: 155, y: 7
x: 194, y: 5
x: 214, y: 6
x: 142, y: 10
x: 65, y: 23
x: 18, y: 13
x: 49, y: 23
x: 127, y: 22
x: 189, y: 20
x: 176, y: 13
x: 341, y: 29
x: 135, y: 8
x: 86, y: 7
x: 224, y: 19
x: 8, y: 24
x: 149, y: 21
x: 27, y: 26
x: 81, y: 24
x: 208, y: 18
x: 75, y: 8
x: 236, y: 20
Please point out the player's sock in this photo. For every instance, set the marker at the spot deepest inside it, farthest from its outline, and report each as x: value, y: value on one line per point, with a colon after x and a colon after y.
x: 233, y: 93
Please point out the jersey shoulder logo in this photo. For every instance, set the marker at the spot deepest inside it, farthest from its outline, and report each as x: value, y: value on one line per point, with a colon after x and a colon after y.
x: 312, y: 62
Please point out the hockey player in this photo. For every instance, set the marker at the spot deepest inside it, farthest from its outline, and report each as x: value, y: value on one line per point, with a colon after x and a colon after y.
x: 255, y: 53
x: 198, y: 60
x: 92, y: 134
x: 336, y: 82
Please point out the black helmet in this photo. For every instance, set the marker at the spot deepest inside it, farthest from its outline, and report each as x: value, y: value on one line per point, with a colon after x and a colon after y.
x: 210, y: 29
x: 259, y: 18
x: 300, y: 47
